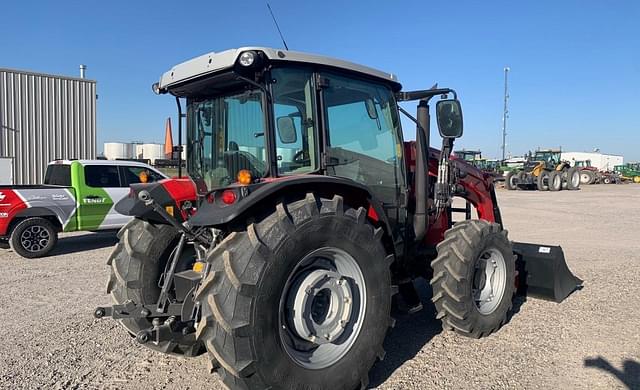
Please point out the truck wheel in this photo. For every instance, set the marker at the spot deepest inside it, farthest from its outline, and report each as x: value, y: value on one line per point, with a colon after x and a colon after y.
x: 510, y: 181
x: 573, y: 179
x: 137, y: 262
x: 474, y: 278
x: 34, y: 237
x: 555, y: 181
x: 636, y: 179
x: 301, y: 298
x: 543, y: 181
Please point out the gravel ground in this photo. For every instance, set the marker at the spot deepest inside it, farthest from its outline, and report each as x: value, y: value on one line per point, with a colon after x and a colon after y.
x: 589, y: 341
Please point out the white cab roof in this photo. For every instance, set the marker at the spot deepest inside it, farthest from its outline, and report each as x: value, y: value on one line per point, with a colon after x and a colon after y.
x: 215, y: 62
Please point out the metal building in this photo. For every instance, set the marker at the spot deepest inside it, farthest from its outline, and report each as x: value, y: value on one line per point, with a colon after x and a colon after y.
x: 602, y: 161
x: 45, y: 117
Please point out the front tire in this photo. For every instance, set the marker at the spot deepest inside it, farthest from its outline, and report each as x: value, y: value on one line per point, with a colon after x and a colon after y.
x: 259, y: 299
x: 136, y: 263
x: 474, y: 278
x: 511, y: 180
x: 34, y: 237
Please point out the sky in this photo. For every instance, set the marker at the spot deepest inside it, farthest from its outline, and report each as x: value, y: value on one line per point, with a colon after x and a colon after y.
x: 574, y: 79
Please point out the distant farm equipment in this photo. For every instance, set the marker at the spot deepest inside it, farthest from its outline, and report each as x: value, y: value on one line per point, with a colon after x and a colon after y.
x: 629, y: 171
x: 544, y: 170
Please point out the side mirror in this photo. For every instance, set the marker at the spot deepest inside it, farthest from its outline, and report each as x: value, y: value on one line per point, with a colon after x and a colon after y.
x: 449, y: 115
x: 371, y: 109
x: 287, y: 130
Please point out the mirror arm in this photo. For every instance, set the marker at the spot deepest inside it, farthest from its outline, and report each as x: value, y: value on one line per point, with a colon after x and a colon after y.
x: 424, y: 94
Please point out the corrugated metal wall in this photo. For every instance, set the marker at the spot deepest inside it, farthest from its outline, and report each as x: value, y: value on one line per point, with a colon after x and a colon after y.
x: 45, y: 117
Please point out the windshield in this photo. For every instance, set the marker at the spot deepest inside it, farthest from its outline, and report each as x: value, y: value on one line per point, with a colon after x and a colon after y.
x: 547, y: 156
x: 226, y: 134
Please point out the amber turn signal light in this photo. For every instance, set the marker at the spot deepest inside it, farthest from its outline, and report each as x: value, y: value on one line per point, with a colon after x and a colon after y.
x: 244, y: 177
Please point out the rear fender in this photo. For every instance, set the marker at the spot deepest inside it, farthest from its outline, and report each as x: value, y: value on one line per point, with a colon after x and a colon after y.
x: 259, y: 198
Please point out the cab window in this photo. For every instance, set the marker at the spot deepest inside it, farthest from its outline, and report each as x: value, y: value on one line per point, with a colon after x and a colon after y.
x: 363, y: 134
x: 100, y: 176
x: 133, y: 175
x: 293, y: 106
x: 58, y: 175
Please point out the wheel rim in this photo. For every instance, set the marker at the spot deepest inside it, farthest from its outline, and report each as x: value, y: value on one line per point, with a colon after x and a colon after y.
x: 584, y: 178
x: 322, y: 308
x: 557, y: 181
x: 35, y: 238
x: 489, y: 281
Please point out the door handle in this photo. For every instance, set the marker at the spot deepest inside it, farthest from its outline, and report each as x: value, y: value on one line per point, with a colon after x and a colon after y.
x: 93, y: 197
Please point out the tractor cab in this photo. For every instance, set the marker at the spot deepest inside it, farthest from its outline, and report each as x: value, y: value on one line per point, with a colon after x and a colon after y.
x: 550, y: 157
x: 469, y: 156
x: 259, y: 115
x: 582, y: 164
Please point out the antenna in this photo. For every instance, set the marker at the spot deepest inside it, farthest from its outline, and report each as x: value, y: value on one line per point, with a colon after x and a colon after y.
x: 505, y: 113
x: 278, y: 27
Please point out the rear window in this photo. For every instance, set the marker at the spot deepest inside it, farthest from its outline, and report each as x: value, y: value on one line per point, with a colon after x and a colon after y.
x: 99, y: 176
x: 58, y: 175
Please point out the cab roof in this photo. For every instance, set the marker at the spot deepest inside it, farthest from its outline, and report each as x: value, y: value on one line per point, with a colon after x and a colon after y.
x: 216, y: 62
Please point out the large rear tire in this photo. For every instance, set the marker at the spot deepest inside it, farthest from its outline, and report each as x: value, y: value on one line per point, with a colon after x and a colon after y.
x: 136, y: 264
x: 573, y: 179
x: 298, y: 300
x: 474, y: 278
x: 543, y: 181
x: 555, y: 181
x: 587, y: 177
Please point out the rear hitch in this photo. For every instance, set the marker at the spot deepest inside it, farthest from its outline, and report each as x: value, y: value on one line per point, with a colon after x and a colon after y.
x: 133, y: 310
x: 163, y: 331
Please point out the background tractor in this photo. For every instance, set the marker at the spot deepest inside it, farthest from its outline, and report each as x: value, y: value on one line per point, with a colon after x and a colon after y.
x: 588, y: 173
x: 474, y: 157
x: 629, y: 171
x: 304, y: 213
x: 544, y: 170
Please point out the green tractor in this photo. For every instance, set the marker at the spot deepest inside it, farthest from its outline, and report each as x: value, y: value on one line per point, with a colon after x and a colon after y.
x: 629, y: 171
x: 544, y: 170
x: 474, y: 157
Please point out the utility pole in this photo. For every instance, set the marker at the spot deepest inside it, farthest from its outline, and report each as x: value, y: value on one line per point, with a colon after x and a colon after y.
x: 505, y: 114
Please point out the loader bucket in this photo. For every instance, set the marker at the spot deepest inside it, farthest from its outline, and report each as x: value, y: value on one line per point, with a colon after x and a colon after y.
x: 543, y: 272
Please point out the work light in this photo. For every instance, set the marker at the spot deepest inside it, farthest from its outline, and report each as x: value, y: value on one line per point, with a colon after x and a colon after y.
x: 247, y: 58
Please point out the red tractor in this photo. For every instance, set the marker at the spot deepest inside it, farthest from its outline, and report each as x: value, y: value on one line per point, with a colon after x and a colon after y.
x: 305, y: 211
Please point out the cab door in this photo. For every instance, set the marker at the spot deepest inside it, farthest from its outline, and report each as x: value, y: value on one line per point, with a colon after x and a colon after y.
x: 99, y: 189
x: 363, y: 138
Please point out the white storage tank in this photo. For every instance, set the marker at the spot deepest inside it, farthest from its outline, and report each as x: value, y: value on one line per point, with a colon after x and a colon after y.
x: 151, y: 151
x: 118, y: 150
